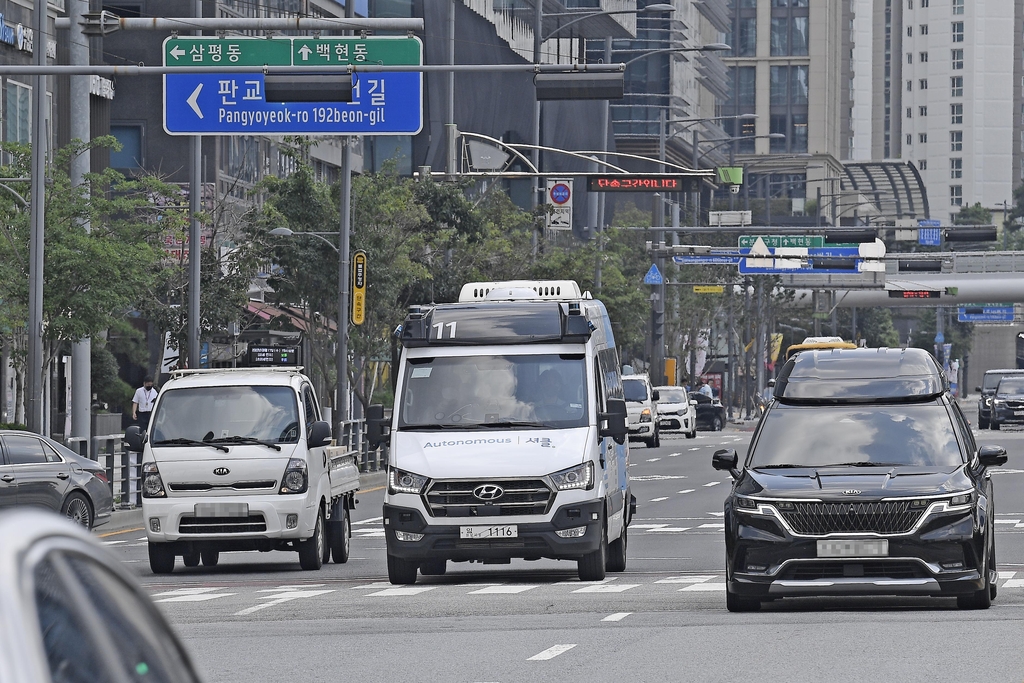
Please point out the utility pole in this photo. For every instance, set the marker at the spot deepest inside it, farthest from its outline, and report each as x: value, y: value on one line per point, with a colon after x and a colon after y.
x: 538, y: 31
x: 345, y: 227
x: 81, y: 352
x: 195, y: 192
x: 599, y: 197
x: 34, y: 367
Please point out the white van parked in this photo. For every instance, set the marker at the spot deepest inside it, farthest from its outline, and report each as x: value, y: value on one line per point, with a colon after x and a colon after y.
x: 238, y: 460
x: 508, y: 434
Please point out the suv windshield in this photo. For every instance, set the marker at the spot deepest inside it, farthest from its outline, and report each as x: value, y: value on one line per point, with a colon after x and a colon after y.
x: 634, y: 390
x: 481, y: 392
x: 819, y: 436
x: 991, y: 380
x: 1011, y: 385
x: 672, y: 395
x: 204, y: 413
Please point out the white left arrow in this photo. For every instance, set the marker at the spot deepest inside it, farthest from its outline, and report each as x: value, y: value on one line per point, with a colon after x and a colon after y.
x: 177, y: 52
x: 193, y: 100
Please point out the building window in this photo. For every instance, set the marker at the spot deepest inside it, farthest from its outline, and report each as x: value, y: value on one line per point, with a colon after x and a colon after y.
x: 922, y: 138
x: 130, y: 137
x: 924, y: 3
x: 958, y: 31
x: 910, y: 32
x: 956, y: 86
x: 956, y: 141
x: 922, y: 111
x: 910, y: 85
x: 923, y: 29
x: 956, y: 195
x: 910, y: 58
x: 957, y: 58
x: 788, y: 97
x: 958, y: 6
x: 19, y: 113
x: 956, y: 114
x: 910, y: 4
x: 922, y: 56
x: 746, y: 32
x: 910, y: 139
x: 910, y: 112
x: 922, y: 165
x: 789, y: 35
x: 922, y: 83
x: 956, y: 168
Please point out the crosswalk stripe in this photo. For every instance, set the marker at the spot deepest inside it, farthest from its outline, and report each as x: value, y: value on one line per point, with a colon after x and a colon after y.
x: 704, y: 587
x: 502, y: 590
x: 551, y: 652
x: 402, y: 590
x: 607, y: 588
x: 618, y: 616
x: 713, y: 483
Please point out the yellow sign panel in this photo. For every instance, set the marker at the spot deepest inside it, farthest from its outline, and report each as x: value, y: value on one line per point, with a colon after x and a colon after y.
x: 708, y: 289
x: 359, y: 287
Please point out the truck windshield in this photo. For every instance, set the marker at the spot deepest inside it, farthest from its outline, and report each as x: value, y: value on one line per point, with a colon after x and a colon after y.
x: 992, y: 380
x: 634, y: 390
x: 818, y: 436
x: 204, y: 413
x: 482, y: 392
x: 1011, y: 385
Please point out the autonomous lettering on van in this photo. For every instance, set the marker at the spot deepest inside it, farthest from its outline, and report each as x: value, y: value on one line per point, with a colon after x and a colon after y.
x: 466, y: 442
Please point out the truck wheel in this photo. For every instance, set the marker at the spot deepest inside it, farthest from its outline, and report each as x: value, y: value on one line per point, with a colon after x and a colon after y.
x: 311, y: 551
x: 161, y: 558
x: 616, y: 561
x: 211, y: 558
x: 340, y: 532
x: 994, y: 425
x: 591, y: 567
x: 982, y: 424
x: 716, y: 425
x: 434, y: 567
x: 401, y: 572
x: 191, y: 559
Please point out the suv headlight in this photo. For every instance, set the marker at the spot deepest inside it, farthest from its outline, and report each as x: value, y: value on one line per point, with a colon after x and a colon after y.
x: 988, y: 400
x: 400, y: 481
x: 962, y: 499
x: 152, y: 484
x: 296, y: 478
x: 645, y: 415
x: 578, y: 477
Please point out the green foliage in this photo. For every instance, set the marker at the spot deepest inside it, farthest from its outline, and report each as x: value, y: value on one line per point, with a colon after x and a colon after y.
x: 973, y: 215
x: 956, y: 333
x: 106, y: 384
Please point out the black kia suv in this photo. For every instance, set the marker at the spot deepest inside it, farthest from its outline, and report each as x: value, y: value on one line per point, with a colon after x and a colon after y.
x: 862, y: 478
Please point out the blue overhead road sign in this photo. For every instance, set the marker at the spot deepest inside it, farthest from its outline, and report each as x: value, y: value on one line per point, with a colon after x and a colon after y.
x: 986, y: 313
x: 850, y: 254
x: 708, y: 260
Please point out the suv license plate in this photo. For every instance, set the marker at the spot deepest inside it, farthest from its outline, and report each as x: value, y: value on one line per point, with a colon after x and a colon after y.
x: 222, y: 510
x: 511, y: 531
x: 1018, y: 413
x: 879, y: 548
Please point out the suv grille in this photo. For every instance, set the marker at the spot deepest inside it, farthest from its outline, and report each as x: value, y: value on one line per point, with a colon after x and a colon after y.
x: 222, y: 525
x: 875, y: 569
x: 891, y: 517
x: 520, y: 497
x: 1015, y: 404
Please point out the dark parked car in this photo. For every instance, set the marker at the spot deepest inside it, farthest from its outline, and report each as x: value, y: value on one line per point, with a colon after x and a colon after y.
x: 70, y: 613
x: 40, y: 472
x: 862, y: 478
x: 710, y: 412
x: 1008, y: 402
x: 988, y: 393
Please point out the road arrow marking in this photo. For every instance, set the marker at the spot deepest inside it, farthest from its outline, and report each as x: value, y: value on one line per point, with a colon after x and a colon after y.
x: 192, y: 100
x: 305, y: 52
x: 177, y: 52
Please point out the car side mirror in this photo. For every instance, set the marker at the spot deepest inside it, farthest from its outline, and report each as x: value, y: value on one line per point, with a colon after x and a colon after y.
x: 725, y: 459
x: 378, y: 428
x: 692, y: 402
x: 135, y: 438
x: 613, y: 422
x: 655, y: 395
x: 977, y: 388
x: 992, y: 456
x: 319, y: 434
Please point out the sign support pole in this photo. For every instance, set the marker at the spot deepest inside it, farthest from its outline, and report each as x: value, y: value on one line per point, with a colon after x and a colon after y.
x: 194, y: 237
x: 341, y: 412
x: 34, y: 368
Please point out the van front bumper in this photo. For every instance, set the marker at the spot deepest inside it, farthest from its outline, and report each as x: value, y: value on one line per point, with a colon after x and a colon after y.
x: 534, y: 540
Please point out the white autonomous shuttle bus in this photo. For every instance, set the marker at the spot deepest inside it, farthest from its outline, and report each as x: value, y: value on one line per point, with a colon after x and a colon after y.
x: 508, y: 435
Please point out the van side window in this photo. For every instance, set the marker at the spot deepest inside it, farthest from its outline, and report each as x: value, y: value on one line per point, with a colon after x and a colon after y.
x: 599, y: 390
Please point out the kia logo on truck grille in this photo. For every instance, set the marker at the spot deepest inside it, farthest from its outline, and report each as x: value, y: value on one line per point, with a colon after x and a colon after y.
x: 221, y: 471
x: 488, y: 492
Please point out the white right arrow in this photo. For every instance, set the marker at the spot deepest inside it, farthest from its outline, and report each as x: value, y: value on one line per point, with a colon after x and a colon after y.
x: 192, y: 100
x: 177, y: 52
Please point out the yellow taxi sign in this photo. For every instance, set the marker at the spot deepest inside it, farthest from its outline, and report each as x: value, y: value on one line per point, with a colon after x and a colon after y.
x: 708, y: 289
x: 359, y: 287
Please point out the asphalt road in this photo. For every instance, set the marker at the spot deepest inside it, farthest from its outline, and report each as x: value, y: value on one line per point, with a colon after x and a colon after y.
x: 257, y: 617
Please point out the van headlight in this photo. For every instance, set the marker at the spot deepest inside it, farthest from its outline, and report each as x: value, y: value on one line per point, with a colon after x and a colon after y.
x: 400, y: 481
x: 296, y: 478
x: 152, y: 484
x: 578, y: 477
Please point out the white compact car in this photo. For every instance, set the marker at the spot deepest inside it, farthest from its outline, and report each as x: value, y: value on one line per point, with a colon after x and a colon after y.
x: 641, y: 410
x: 677, y: 412
x: 238, y: 460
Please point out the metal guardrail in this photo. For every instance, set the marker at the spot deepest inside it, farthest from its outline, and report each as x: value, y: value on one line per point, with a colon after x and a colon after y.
x: 353, y: 437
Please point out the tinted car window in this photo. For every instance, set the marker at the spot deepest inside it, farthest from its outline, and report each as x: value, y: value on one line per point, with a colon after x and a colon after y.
x: 24, y: 450
x: 819, y: 436
x: 700, y: 398
x: 991, y: 380
x: 309, y: 405
x: 1011, y: 385
x: 634, y: 389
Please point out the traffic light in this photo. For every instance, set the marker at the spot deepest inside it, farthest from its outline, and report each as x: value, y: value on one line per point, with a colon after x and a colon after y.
x: 659, y: 325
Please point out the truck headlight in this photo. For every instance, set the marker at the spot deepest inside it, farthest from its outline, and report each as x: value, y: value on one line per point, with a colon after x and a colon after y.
x: 296, y: 478
x: 400, y: 481
x: 645, y: 415
x: 152, y: 484
x: 577, y: 477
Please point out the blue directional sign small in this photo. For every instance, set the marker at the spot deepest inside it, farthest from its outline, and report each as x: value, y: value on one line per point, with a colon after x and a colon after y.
x: 706, y: 260
x: 653, y: 276
x: 851, y: 254
x: 929, y: 237
x: 986, y: 313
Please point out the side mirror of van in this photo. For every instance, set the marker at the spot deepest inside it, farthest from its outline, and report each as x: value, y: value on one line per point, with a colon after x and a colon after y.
x: 655, y: 395
x: 978, y: 389
x: 725, y: 459
x: 613, y: 422
x: 377, y: 427
x: 319, y: 434
x: 992, y: 456
x: 135, y: 438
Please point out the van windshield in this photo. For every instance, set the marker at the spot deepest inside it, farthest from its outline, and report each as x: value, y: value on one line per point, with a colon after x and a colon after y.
x: 634, y: 390
x: 486, y: 392
x: 206, y: 413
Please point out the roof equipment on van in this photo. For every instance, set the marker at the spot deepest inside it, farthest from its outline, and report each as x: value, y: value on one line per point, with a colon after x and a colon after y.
x: 185, y: 372
x: 521, y: 290
x: 880, y: 375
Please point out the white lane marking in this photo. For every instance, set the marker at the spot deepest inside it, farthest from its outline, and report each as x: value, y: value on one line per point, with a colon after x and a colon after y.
x: 113, y: 542
x: 704, y: 587
x: 618, y: 616
x: 1014, y: 583
x: 403, y: 590
x: 711, y: 526
x: 551, y: 652
x: 658, y: 500
x: 185, y: 591
x: 1018, y: 526
x: 655, y: 477
x: 587, y: 583
x: 368, y: 521
x: 375, y: 584
x: 502, y: 590
x: 653, y: 459
x: 697, y: 448
x: 687, y: 579
x: 294, y: 587
x: 688, y: 491
x: 1007, y: 521
x: 674, y: 455
x: 277, y: 597
x: 196, y: 597
x: 676, y: 529
x: 142, y: 539
x: 1007, y: 575
x: 647, y: 526
x: 717, y: 514
x: 368, y: 533
x: 712, y: 483
x: 607, y: 588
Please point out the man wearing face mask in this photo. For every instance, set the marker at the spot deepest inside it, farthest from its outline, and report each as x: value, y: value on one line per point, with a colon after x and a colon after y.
x: 142, y: 403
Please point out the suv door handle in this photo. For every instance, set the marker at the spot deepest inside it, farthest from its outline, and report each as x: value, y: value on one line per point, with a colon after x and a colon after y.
x: 7, y: 478
x: 62, y: 475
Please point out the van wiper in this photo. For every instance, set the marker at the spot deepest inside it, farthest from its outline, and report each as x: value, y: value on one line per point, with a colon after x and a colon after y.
x: 432, y: 427
x: 862, y: 463
x: 189, y: 442
x: 245, y: 440
x: 783, y: 466
x: 515, y: 423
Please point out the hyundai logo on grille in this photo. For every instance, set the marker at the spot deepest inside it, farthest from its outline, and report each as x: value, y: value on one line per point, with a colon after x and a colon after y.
x: 851, y: 492
x: 221, y: 471
x: 488, y: 492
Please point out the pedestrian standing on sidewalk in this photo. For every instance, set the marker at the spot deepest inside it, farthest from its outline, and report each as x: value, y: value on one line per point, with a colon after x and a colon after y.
x: 142, y: 403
